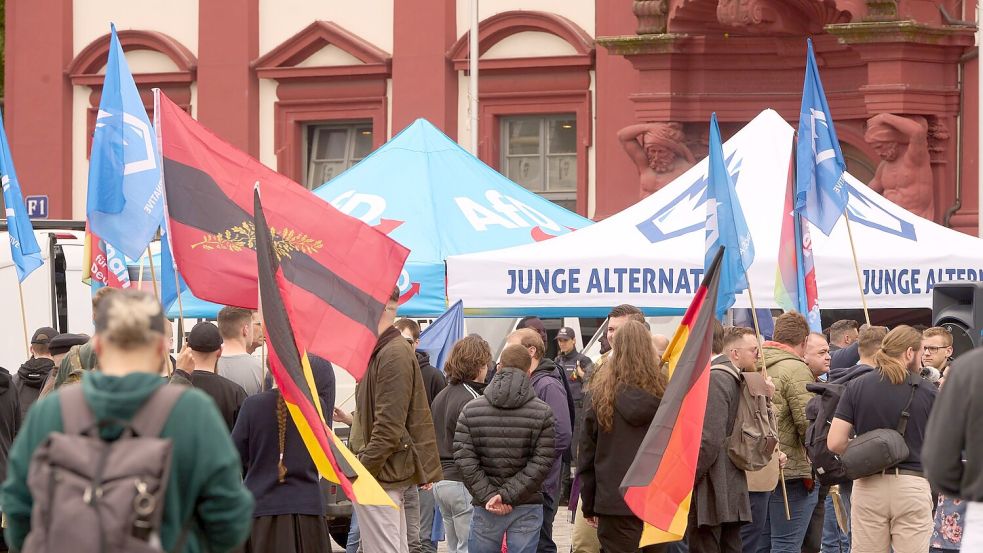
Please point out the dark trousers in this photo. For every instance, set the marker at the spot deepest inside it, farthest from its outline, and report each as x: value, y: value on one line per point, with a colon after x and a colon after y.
x: 725, y: 538
x: 546, y: 543
x: 752, y: 531
x: 621, y: 535
x: 813, y: 542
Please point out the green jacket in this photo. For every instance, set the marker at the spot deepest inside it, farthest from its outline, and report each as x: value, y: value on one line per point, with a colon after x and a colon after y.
x: 790, y: 374
x: 205, y: 468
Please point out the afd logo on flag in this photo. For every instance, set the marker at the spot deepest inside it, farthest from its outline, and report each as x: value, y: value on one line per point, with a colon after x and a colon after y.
x: 687, y: 212
x: 138, y: 141
x: 868, y: 212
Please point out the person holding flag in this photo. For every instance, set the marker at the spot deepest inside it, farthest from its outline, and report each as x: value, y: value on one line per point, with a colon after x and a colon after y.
x: 125, y: 203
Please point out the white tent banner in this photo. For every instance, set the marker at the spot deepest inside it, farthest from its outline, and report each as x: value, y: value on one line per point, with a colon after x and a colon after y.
x: 651, y: 254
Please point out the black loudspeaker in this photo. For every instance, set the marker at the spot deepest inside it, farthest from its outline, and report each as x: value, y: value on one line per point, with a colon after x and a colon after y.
x: 958, y: 307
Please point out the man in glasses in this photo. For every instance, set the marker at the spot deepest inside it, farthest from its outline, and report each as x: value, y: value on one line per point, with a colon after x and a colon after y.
x: 937, y: 342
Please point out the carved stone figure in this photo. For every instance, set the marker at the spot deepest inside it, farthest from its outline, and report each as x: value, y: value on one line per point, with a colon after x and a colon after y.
x: 904, y: 175
x: 659, y: 151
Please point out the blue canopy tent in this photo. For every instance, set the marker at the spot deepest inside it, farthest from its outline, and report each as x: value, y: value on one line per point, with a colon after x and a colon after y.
x: 435, y: 198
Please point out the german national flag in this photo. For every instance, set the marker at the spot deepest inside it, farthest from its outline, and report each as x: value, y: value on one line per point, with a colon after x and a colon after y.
x: 339, y: 271
x: 292, y: 372
x: 659, y: 483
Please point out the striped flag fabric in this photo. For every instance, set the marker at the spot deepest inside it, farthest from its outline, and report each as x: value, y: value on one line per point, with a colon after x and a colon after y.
x: 103, y: 265
x: 339, y: 271
x: 795, y: 277
x: 291, y: 370
x: 658, y: 486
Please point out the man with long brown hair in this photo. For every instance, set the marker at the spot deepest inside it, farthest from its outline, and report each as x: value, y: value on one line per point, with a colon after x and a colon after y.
x: 891, y: 509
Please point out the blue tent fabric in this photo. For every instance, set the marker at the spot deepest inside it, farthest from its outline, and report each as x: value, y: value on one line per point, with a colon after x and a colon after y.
x: 191, y: 306
x: 435, y: 198
x: 438, y: 338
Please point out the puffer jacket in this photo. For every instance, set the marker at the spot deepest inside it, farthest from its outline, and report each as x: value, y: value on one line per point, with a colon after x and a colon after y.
x: 790, y: 374
x: 504, y: 441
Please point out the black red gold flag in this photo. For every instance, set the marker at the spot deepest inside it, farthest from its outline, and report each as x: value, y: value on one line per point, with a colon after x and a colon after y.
x: 658, y: 486
x: 292, y: 371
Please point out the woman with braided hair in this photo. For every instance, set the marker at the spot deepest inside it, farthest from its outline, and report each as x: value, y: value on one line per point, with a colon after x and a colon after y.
x: 279, y: 472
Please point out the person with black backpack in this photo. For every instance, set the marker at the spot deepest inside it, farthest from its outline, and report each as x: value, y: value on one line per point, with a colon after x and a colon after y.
x: 124, y: 462
x: 888, y: 410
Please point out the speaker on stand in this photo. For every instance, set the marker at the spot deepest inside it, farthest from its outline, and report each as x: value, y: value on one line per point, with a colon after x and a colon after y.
x: 958, y: 307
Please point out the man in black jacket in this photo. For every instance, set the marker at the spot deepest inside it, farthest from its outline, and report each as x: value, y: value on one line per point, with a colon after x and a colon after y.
x: 30, y: 377
x: 504, y: 449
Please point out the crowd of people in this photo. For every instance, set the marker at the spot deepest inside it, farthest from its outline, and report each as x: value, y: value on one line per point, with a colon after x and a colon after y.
x: 111, y: 443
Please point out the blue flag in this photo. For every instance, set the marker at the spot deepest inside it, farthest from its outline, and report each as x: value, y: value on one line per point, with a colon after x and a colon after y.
x: 125, y: 202
x: 170, y: 279
x: 820, y: 191
x: 438, y: 338
x: 726, y: 226
x: 23, y: 244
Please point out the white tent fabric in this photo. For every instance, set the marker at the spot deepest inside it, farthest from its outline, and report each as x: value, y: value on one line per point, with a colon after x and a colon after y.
x: 651, y: 254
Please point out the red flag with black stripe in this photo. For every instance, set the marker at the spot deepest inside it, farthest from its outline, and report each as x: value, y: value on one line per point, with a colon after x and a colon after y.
x: 291, y: 369
x: 659, y: 484
x: 339, y: 271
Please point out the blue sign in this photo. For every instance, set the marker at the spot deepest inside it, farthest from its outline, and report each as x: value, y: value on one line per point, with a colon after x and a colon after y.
x: 37, y: 207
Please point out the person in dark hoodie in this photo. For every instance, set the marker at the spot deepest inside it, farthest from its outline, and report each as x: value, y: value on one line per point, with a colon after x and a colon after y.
x: 31, y: 375
x: 622, y: 401
x: 504, y: 449
x: 466, y: 367
x: 10, y: 420
x: 549, y: 385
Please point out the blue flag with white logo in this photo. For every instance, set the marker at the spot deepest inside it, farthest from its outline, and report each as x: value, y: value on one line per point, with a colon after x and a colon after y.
x: 23, y: 244
x: 726, y: 226
x: 820, y: 190
x: 125, y: 202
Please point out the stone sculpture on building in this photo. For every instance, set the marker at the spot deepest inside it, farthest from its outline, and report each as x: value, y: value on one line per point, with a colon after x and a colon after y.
x: 904, y: 175
x: 659, y: 151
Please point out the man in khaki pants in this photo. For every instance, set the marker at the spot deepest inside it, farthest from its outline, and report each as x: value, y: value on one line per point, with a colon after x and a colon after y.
x: 891, y: 508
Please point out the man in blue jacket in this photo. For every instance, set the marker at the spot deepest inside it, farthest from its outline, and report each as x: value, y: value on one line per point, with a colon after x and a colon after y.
x: 549, y: 388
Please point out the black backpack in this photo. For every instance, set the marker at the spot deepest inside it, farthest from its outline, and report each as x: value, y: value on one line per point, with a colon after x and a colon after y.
x: 819, y: 412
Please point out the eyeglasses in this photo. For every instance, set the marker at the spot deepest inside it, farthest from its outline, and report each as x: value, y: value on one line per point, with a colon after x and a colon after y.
x: 934, y: 349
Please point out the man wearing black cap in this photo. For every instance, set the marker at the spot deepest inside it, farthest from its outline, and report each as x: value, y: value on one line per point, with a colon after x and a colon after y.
x: 31, y: 375
x: 201, y: 356
x: 68, y: 368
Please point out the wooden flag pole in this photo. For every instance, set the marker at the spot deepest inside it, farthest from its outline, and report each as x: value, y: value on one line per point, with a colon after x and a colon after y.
x: 856, y: 265
x: 153, y: 272
x: 140, y: 277
x: 764, y: 372
x: 23, y: 318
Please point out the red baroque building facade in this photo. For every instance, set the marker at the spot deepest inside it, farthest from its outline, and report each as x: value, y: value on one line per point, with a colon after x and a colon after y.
x: 310, y: 88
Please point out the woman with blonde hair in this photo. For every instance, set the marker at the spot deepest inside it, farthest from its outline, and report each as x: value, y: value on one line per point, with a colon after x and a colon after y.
x: 465, y: 368
x: 624, y: 398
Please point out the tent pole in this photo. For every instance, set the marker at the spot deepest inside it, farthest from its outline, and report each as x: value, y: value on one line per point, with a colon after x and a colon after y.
x: 856, y: 266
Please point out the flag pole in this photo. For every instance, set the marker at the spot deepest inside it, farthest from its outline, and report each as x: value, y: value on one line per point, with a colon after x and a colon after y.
x: 140, y: 277
x: 856, y: 265
x: 23, y: 318
x: 153, y: 273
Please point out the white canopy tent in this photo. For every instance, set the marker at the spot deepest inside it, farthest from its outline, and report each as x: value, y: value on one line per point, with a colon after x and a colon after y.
x: 651, y: 254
